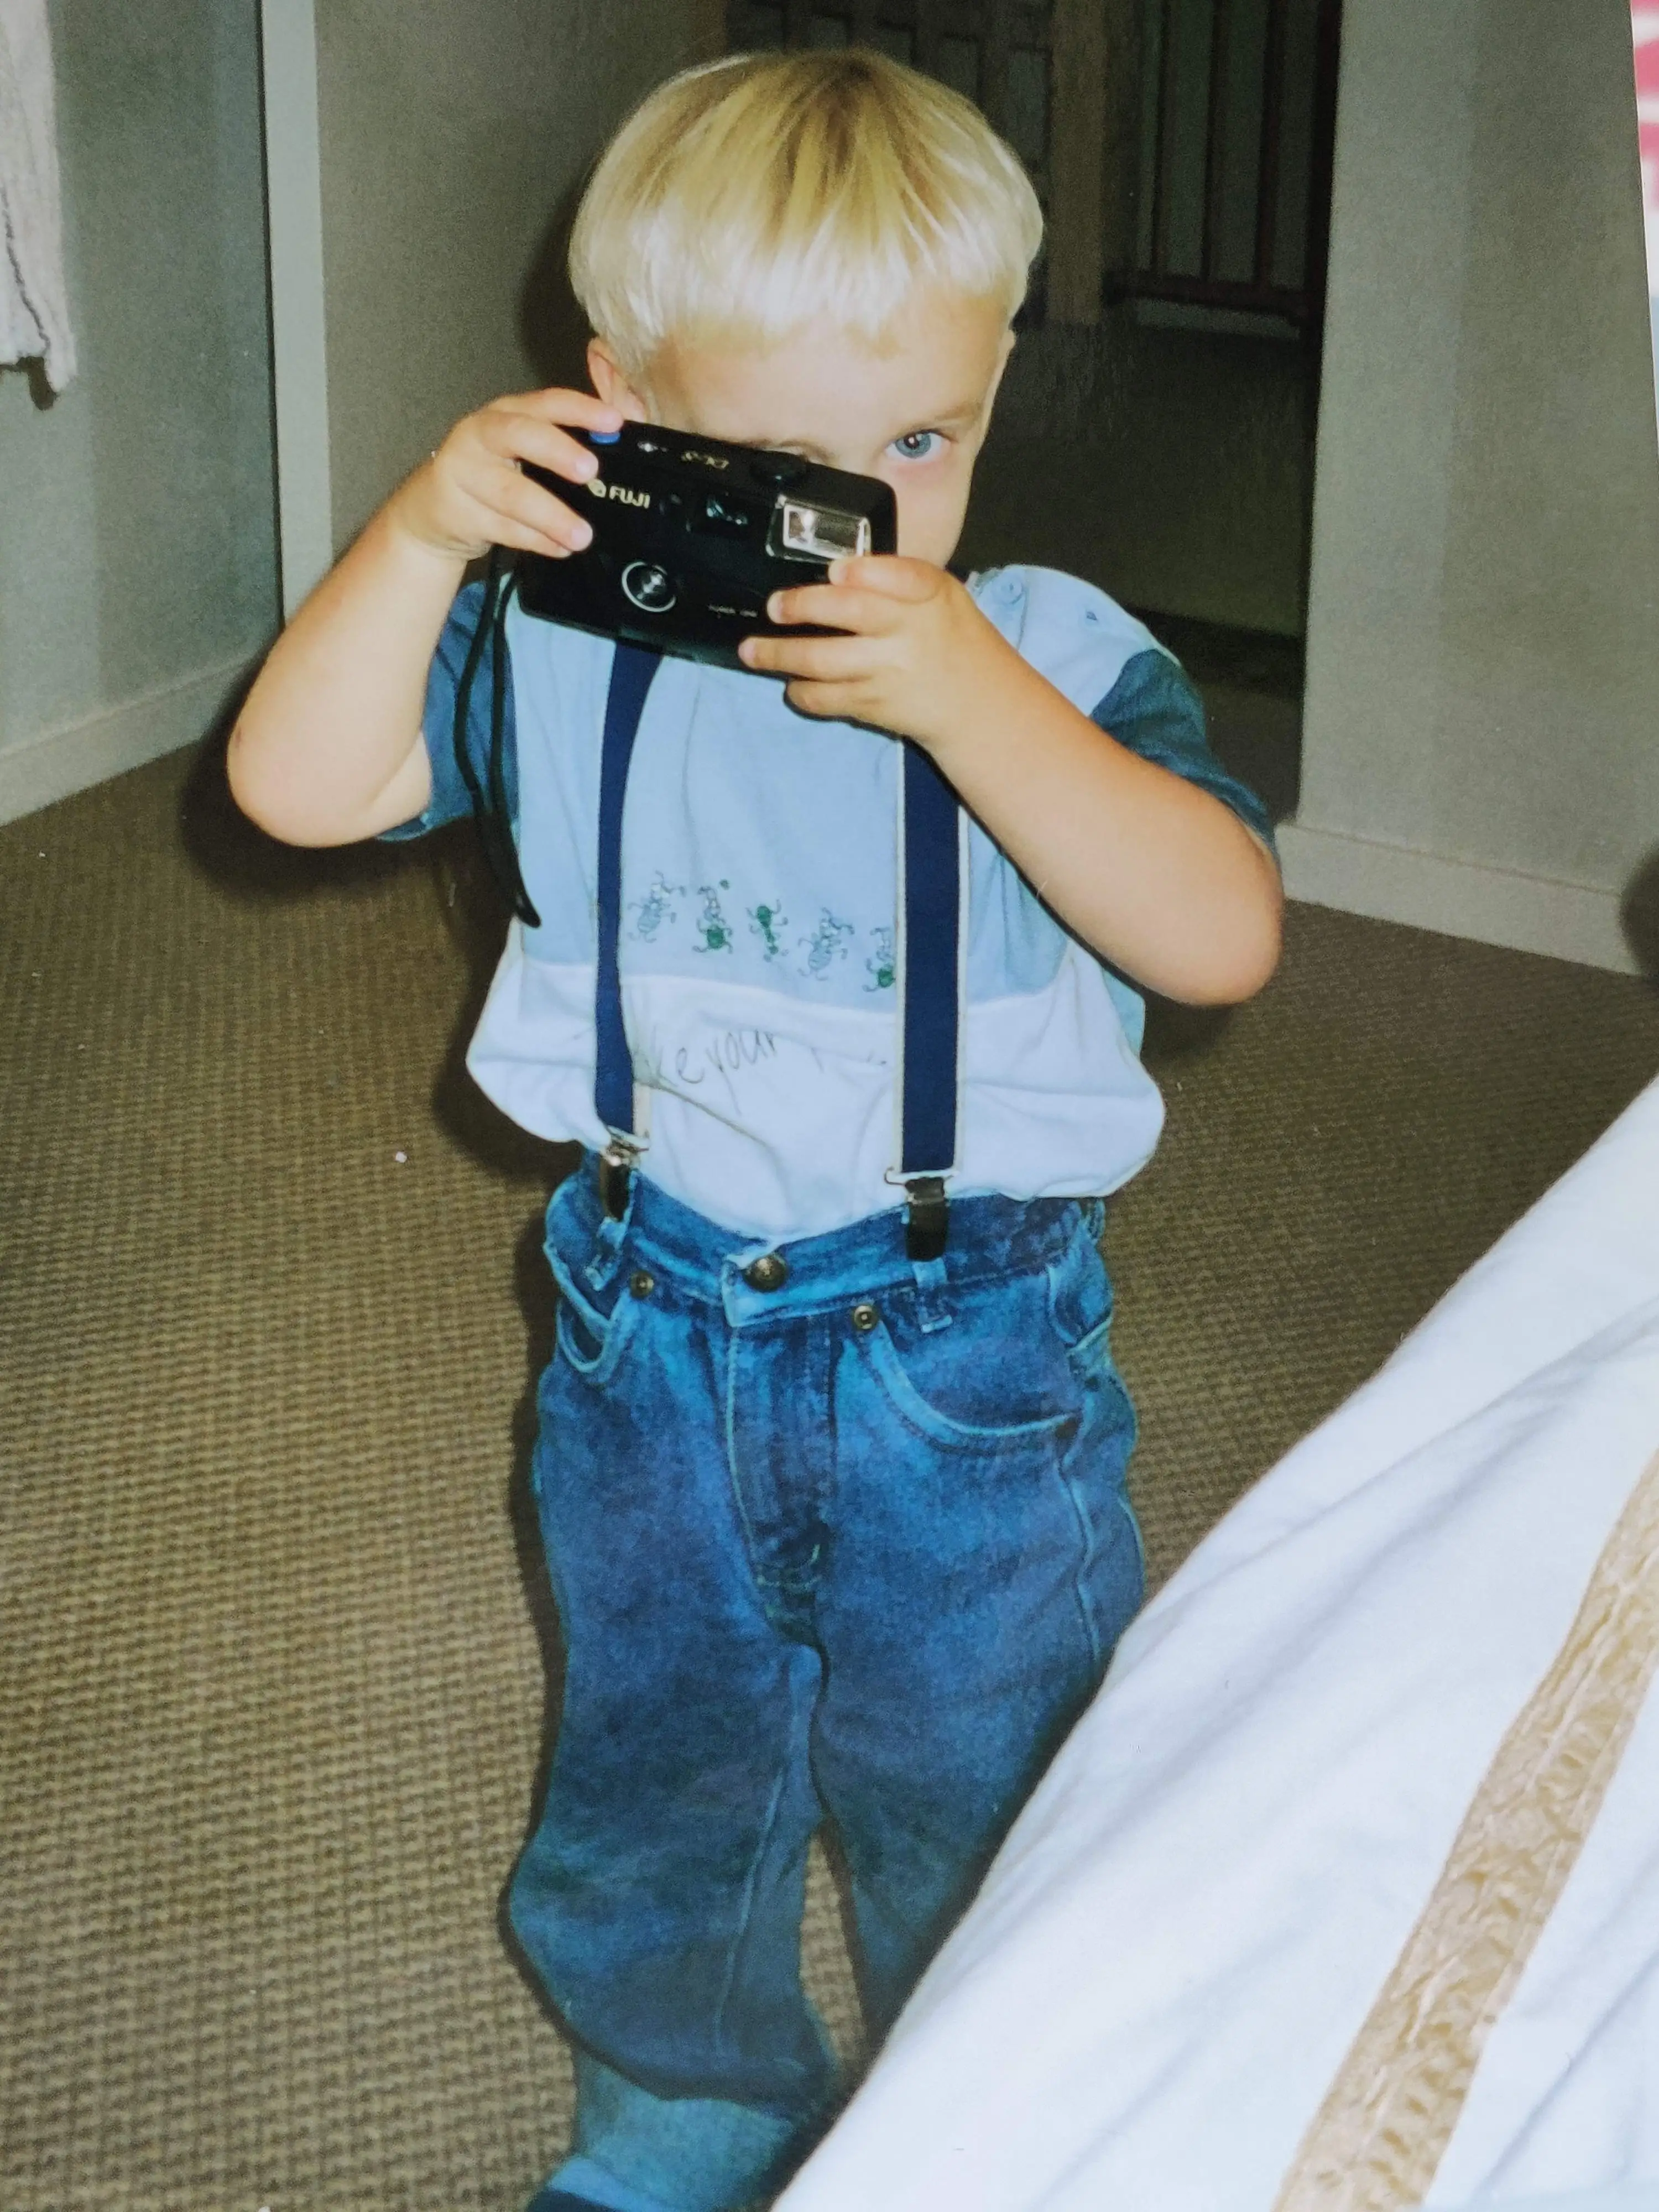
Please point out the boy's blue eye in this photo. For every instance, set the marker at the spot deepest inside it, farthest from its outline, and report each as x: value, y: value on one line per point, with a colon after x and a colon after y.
x: 916, y: 445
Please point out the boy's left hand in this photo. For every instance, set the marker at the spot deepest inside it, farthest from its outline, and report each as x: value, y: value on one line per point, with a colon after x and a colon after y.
x: 914, y: 652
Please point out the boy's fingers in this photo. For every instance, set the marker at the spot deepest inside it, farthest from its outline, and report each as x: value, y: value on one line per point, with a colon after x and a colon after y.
x: 895, y: 575
x: 825, y: 699
x: 521, y: 538
x: 535, y: 510
x: 528, y: 438
x: 558, y: 404
x: 837, y: 606
x: 524, y: 419
x: 827, y: 658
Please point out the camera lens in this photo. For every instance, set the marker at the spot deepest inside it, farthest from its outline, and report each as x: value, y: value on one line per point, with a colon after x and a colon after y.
x: 650, y: 586
x: 723, y: 516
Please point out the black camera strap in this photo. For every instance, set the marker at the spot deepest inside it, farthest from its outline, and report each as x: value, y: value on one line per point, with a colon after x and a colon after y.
x: 489, y: 808
x: 631, y: 672
x: 930, y: 970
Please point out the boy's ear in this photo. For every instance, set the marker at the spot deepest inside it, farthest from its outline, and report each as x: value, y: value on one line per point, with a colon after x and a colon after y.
x: 608, y: 381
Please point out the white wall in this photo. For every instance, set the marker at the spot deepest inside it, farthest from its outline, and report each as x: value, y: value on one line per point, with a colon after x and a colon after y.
x: 136, y: 542
x: 1481, y: 738
x: 137, y: 538
x: 453, y: 139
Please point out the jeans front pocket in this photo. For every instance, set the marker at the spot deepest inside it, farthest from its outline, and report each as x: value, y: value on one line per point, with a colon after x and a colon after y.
x: 1079, y: 1288
x: 998, y: 1375
x: 938, y: 1426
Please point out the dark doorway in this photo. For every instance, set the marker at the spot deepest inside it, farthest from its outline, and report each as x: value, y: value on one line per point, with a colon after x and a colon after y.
x: 1156, y: 430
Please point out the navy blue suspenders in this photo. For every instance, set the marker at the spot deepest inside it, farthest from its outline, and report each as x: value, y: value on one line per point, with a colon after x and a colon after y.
x: 613, y: 1067
x: 930, y: 996
x: 929, y: 971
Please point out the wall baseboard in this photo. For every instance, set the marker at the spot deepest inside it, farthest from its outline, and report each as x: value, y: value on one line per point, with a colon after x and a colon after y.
x: 1459, y: 898
x: 1322, y: 867
x: 68, y: 759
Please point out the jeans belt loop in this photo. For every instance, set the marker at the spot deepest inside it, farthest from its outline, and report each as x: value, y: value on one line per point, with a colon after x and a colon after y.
x: 933, y: 1307
x: 617, y: 1189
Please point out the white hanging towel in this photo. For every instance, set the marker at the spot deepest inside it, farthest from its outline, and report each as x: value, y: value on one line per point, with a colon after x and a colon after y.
x: 33, y: 300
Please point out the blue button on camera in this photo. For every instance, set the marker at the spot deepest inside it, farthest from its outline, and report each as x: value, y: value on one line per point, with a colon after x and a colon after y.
x: 604, y: 437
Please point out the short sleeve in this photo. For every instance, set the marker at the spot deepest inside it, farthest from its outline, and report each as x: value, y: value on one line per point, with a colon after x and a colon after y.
x: 451, y: 799
x: 1155, y: 710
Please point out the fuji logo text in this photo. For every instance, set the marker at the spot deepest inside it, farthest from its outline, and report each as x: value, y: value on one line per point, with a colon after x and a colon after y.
x: 624, y: 493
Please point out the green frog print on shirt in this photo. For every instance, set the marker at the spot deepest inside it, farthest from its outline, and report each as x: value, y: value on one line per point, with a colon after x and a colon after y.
x: 656, y: 907
x: 656, y: 915
x: 827, y: 944
x: 881, y: 967
x: 712, y: 927
x: 766, y: 922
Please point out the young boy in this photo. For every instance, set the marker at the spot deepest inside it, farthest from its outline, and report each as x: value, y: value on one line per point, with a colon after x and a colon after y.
x: 830, y: 1468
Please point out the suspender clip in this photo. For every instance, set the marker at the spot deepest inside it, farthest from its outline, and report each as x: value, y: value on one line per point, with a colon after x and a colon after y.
x: 927, y: 1217
x: 617, y: 1164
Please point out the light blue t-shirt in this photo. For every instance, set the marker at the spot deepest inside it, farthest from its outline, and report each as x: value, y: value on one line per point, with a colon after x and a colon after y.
x: 759, y: 938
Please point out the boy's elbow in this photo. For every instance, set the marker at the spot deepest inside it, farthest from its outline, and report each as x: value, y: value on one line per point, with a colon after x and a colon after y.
x: 258, y: 791
x: 1256, y: 959
x: 246, y: 784
x: 1244, y: 960
x: 1261, y: 941
x: 273, y: 789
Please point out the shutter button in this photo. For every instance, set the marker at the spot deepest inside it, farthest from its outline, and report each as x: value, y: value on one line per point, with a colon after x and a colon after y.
x: 778, y: 469
x: 768, y: 1272
x: 866, y: 1315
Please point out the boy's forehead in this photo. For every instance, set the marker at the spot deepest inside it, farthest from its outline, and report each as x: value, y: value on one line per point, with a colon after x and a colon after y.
x: 825, y: 386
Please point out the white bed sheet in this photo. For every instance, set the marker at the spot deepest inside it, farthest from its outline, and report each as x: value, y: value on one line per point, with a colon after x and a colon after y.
x: 1149, y: 1999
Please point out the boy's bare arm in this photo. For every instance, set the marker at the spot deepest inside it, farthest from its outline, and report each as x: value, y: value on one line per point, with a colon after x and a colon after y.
x: 328, y: 748
x: 1158, y: 876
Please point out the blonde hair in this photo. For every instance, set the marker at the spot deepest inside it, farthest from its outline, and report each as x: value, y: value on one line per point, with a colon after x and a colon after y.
x: 745, y: 198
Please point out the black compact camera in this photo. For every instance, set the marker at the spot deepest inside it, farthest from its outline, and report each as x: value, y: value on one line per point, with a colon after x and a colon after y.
x: 691, y: 537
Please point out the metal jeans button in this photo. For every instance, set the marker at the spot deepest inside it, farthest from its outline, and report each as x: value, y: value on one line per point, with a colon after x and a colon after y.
x: 642, y: 1282
x: 768, y: 1272
x: 866, y: 1315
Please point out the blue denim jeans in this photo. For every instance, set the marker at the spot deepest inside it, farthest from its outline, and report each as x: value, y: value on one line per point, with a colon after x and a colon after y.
x: 837, y: 1536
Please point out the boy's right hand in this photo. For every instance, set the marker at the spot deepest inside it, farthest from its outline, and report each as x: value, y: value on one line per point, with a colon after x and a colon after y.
x: 472, y: 494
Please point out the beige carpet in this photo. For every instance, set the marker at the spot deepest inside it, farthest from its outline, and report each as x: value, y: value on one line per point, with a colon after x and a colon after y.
x: 273, y: 1643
